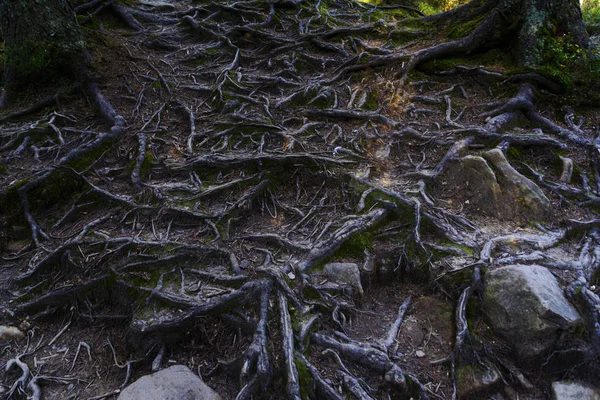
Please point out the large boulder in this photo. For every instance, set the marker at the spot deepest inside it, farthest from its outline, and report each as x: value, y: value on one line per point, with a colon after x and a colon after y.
x: 526, y: 305
x: 490, y: 185
x: 173, y: 383
x: 566, y: 390
x: 525, y: 195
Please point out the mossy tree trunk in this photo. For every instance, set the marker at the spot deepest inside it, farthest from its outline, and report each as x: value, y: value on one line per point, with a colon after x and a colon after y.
x: 536, y: 20
x: 41, y: 38
x: 524, y: 26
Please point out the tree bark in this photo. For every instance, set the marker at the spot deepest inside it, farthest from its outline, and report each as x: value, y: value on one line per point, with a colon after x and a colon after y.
x: 543, y: 17
x: 522, y: 25
x: 41, y: 38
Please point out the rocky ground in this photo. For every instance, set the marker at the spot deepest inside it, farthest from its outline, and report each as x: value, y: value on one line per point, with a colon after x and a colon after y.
x: 267, y: 206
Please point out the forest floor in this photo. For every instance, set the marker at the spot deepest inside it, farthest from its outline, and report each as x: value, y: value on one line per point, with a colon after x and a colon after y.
x: 255, y: 135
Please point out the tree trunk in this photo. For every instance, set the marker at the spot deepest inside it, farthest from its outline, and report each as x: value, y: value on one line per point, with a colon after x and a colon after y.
x: 41, y: 38
x: 542, y: 18
x: 525, y: 26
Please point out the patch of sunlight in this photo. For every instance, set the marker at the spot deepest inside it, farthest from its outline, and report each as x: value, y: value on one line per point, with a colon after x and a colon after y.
x: 429, y: 7
x: 374, y: 2
x: 590, y: 9
x: 386, y: 180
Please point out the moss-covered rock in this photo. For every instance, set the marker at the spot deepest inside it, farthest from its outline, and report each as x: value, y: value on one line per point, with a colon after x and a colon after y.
x: 473, y: 379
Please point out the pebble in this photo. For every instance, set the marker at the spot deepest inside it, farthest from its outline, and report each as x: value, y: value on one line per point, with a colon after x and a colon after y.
x: 420, y: 353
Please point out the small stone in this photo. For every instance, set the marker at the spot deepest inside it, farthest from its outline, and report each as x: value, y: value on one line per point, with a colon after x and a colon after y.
x: 414, y: 332
x: 420, y: 353
x: 472, y: 379
x: 10, y: 332
x: 347, y: 273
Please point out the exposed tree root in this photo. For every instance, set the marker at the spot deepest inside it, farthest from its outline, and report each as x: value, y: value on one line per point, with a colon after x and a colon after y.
x: 263, y: 142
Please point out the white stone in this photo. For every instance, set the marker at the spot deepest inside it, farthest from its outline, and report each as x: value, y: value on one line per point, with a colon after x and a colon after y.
x: 173, y: 383
x: 566, y: 390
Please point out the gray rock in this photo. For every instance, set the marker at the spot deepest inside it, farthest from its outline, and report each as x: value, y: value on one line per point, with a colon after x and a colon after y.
x: 526, y: 197
x: 490, y: 185
x: 174, y: 383
x: 526, y: 305
x: 347, y: 273
x: 471, y: 379
x: 566, y: 390
x: 414, y: 332
x: 567, y: 170
x: 482, y: 189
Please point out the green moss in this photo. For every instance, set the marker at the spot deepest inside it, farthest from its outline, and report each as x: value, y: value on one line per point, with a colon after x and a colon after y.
x: 579, y: 329
x: 456, y: 282
x: 355, y: 245
x: 471, y: 311
x: 490, y: 58
x: 83, y: 162
x: 561, y: 60
x: 458, y: 31
x: 463, y: 373
x: 371, y: 103
x: 450, y: 244
x: 146, y: 164
x: 323, y: 7
x: 515, y: 153
x: 54, y: 189
x: 305, y: 379
x: 157, y: 84
x: 391, y: 14
x: 401, y: 36
x: 39, y: 60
